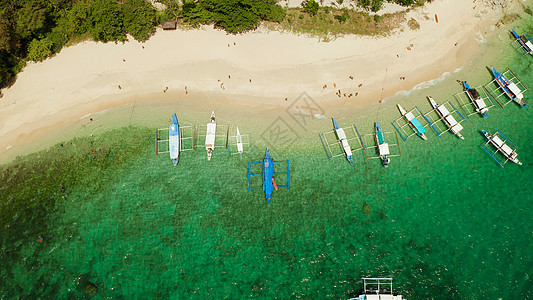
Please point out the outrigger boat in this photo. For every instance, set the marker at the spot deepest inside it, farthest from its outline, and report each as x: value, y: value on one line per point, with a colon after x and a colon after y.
x: 378, y: 289
x: 240, y: 142
x: 210, y: 136
x: 501, y: 146
x: 383, y: 147
x: 510, y: 89
x: 413, y: 123
x: 240, y: 148
x: 477, y: 101
x: 452, y: 124
x: 344, y: 142
x: 175, y: 140
x: 340, y: 138
x: 524, y: 42
x: 268, y: 172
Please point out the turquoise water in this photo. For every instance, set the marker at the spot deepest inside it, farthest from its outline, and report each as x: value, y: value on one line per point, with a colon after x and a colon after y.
x: 444, y: 220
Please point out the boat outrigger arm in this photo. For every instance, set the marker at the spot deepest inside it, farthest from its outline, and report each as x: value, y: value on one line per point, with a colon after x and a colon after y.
x: 269, y: 184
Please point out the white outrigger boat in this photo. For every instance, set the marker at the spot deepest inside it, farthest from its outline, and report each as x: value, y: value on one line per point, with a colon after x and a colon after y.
x: 339, y: 137
x: 241, y: 141
x: 452, y: 124
x: 479, y: 104
x: 240, y: 148
x: 378, y: 289
x: 210, y: 136
x: 413, y: 123
x: 501, y: 146
x: 343, y: 140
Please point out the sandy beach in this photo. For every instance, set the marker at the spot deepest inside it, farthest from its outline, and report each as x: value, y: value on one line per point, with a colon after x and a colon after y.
x: 260, y: 69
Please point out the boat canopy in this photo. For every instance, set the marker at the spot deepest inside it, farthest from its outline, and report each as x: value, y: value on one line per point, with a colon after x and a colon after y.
x: 381, y: 139
x: 384, y: 149
x: 480, y: 103
x: 210, y: 135
x: 443, y: 110
x: 451, y: 120
x: 515, y: 90
x: 419, y: 128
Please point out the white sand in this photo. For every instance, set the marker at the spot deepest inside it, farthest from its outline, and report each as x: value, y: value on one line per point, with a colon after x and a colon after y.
x: 84, y: 78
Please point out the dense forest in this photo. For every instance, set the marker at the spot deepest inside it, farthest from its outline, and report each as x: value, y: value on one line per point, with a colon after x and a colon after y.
x: 31, y: 30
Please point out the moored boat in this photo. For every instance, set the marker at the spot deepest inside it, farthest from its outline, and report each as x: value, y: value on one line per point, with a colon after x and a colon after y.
x: 240, y: 148
x: 454, y: 126
x: 479, y: 104
x: 383, y: 147
x: 413, y: 123
x: 174, y: 140
x: 341, y: 135
x: 524, y: 42
x: 502, y: 147
x: 510, y: 89
x: 210, y: 135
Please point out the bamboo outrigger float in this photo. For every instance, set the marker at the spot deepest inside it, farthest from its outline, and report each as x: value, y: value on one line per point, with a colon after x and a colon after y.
x: 338, y: 137
x: 508, y: 85
x: 476, y: 100
x: 523, y: 44
x: 268, y: 184
x: 378, y: 289
x: 446, y: 116
x: 410, y: 120
x: 500, y: 142
x: 176, y: 141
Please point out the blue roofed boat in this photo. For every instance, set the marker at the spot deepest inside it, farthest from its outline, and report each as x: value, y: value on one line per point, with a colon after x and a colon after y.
x: 174, y: 140
x: 268, y: 172
x: 510, y: 89
x: 413, y: 123
x: 524, y: 41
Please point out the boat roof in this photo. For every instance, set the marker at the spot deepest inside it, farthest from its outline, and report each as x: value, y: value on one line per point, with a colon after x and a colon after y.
x: 384, y: 149
x: 340, y: 134
x: 381, y: 137
x: 514, y: 89
x: 443, y: 110
x: 480, y: 103
x: 497, y: 141
x: 418, y: 126
x: 409, y: 116
x: 451, y: 120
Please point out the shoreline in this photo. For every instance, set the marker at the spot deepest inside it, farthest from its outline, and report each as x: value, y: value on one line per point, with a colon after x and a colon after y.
x: 265, y: 68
